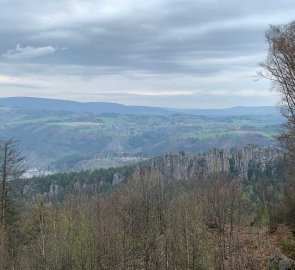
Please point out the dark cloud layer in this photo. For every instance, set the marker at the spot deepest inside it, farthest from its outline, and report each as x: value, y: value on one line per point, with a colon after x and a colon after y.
x: 139, y: 44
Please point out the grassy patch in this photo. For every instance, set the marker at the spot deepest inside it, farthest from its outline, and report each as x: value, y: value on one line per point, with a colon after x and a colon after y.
x: 78, y: 125
x: 288, y: 247
x: 209, y: 134
x: 111, y: 120
x: 81, y: 124
x: 270, y: 134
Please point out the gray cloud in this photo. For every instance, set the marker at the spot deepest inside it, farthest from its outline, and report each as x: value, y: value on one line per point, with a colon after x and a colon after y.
x: 18, y: 85
x: 141, y: 46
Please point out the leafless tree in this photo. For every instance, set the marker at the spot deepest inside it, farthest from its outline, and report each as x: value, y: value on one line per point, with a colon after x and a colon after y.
x: 223, y: 204
x: 279, y: 68
x: 11, y: 168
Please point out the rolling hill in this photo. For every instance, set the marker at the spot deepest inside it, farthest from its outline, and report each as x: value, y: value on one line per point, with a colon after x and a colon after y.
x: 107, y: 107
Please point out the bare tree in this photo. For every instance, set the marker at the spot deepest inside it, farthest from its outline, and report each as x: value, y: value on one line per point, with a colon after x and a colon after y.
x: 279, y: 68
x: 12, y: 168
x: 223, y: 198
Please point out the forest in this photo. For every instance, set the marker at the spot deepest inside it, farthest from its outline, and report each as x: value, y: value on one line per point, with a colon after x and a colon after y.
x: 211, y: 221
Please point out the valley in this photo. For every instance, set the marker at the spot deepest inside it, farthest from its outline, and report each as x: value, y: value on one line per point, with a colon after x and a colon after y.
x: 55, y: 140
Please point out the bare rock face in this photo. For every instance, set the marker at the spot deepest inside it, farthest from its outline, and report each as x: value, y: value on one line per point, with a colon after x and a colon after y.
x: 216, y: 161
x: 236, y: 161
x: 77, y: 185
x: 27, y: 190
x: 53, y: 190
x: 255, y: 154
x: 280, y: 262
x: 118, y: 178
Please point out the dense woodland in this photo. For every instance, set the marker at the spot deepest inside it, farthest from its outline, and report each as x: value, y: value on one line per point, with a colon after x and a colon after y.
x: 215, y: 221
x: 147, y: 223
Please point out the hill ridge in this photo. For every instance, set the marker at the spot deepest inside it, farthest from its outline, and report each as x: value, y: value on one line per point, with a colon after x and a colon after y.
x: 111, y: 107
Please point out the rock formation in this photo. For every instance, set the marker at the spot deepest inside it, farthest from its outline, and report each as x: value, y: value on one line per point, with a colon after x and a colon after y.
x: 236, y: 161
x: 280, y: 262
x: 118, y: 178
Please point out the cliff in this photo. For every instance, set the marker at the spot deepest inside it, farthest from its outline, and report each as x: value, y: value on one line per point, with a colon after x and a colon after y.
x: 242, y: 163
x: 239, y: 162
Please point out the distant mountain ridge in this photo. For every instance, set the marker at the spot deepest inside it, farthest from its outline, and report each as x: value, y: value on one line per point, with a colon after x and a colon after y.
x: 239, y: 110
x: 79, y: 107
x: 108, y: 107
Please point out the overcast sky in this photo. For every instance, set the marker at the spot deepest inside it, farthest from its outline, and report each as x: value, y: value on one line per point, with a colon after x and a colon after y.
x: 171, y: 53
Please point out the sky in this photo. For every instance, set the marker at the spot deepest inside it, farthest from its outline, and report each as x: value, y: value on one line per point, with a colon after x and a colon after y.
x: 168, y: 53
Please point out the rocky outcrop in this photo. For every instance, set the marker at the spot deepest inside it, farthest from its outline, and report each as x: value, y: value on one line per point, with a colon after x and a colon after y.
x: 118, y: 178
x: 241, y: 163
x: 53, y: 190
x: 280, y: 262
x: 252, y: 154
x: 27, y: 190
x: 236, y: 161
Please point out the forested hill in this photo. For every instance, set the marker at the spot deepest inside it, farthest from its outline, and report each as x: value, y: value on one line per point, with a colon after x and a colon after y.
x: 78, y: 107
x: 33, y: 103
x: 247, y: 163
